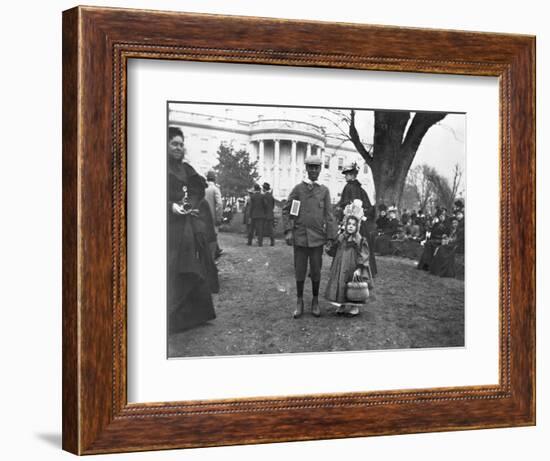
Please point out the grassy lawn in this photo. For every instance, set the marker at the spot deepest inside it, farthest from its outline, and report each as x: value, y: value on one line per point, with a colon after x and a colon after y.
x: 409, y: 309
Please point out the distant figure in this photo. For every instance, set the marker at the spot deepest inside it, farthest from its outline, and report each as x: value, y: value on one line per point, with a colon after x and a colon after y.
x: 309, y: 225
x: 389, y: 228
x: 227, y: 215
x: 443, y: 260
x: 269, y: 218
x: 213, y: 196
x: 433, y: 239
x: 460, y: 225
x: 405, y: 216
x: 246, y: 212
x: 257, y: 215
x: 382, y: 220
x: 421, y: 222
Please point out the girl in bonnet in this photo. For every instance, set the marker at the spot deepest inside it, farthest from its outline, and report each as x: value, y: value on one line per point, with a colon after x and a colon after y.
x: 351, y: 258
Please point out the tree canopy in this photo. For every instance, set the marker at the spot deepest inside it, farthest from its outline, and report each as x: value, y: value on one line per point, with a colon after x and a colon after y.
x: 235, y: 172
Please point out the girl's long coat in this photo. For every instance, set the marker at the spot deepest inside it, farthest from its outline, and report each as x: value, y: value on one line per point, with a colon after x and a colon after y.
x: 351, y: 254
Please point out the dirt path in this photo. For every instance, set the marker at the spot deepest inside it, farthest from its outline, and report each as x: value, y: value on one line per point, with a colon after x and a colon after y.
x: 410, y: 308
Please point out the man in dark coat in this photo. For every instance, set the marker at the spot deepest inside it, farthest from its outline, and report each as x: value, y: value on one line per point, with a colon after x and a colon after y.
x: 421, y: 222
x: 382, y: 220
x: 309, y: 225
x: 389, y: 228
x: 269, y: 217
x: 353, y: 191
x: 257, y: 215
x: 405, y: 216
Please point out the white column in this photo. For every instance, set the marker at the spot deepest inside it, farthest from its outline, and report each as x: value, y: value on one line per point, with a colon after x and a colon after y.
x: 261, y: 159
x: 319, y: 151
x: 276, y: 168
x: 308, y: 149
x: 293, y: 164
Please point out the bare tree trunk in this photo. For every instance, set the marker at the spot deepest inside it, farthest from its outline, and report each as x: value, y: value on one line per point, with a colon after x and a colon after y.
x: 393, y: 149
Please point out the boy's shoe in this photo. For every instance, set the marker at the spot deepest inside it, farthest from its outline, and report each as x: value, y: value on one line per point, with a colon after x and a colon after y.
x: 299, y: 308
x: 315, y: 309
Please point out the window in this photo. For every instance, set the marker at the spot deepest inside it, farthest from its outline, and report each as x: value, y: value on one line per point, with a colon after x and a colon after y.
x: 340, y: 163
x: 327, y: 161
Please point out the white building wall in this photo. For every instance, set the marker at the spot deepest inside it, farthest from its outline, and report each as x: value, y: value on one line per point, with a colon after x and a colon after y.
x: 204, y: 133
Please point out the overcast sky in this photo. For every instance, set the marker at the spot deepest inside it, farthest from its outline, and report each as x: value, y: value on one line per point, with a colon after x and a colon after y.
x: 442, y: 147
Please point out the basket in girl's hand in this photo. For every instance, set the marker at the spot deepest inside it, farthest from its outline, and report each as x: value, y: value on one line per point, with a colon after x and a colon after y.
x: 357, y: 291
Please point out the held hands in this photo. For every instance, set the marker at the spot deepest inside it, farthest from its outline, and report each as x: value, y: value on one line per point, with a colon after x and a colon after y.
x: 289, y: 238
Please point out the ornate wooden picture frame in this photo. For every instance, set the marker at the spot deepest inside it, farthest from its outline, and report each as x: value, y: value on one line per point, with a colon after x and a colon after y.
x: 97, y: 44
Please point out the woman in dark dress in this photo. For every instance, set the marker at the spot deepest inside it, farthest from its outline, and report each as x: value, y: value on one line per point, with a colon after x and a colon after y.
x: 443, y: 262
x: 353, y: 191
x: 432, y: 243
x: 192, y: 274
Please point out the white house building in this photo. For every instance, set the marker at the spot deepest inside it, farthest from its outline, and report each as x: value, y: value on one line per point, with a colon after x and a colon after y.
x: 279, y: 145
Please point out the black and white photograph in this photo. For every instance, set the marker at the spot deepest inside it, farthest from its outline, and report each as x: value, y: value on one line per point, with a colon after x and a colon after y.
x: 275, y: 230
x: 313, y: 229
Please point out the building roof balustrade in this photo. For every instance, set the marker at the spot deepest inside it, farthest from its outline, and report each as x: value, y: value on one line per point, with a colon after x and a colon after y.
x: 274, y: 127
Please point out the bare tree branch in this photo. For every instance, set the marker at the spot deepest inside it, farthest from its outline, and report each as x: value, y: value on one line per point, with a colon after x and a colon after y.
x: 337, y: 126
x: 356, y: 140
x: 457, y: 179
x: 420, y: 125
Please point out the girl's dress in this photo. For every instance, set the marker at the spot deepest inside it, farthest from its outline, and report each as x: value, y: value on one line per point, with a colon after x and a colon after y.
x: 352, y: 252
x: 354, y: 191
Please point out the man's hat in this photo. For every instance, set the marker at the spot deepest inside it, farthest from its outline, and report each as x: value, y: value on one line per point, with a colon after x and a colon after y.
x: 312, y: 159
x: 350, y: 168
x: 211, y: 175
x: 256, y: 187
x: 392, y: 209
x: 266, y: 186
x: 382, y: 207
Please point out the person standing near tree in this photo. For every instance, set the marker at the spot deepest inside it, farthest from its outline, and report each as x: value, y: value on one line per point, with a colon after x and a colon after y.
x: 405, y: 216
x: 353, y: 190
x: 257, y: 215
x: 309, y: 225
x: 269, y: 217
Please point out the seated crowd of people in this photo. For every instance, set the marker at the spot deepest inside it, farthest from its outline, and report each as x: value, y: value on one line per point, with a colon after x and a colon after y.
x: 441, y: 235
